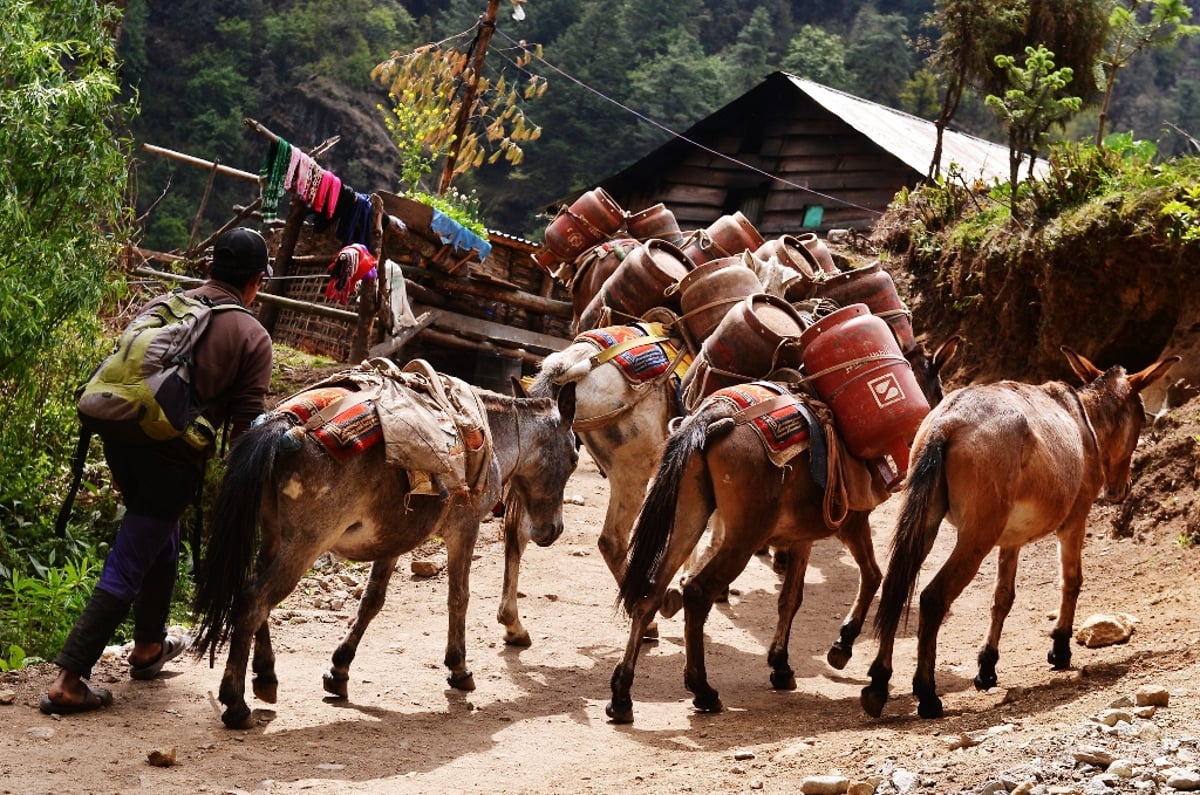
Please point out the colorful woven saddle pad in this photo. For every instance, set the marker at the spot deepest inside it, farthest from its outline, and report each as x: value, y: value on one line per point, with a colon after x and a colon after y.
x: 642, y: 351
x: 349, y: 432
x: 783, y: 429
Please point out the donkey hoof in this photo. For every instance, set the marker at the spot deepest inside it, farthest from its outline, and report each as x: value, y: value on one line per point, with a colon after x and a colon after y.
x: 930, y: 707
x: 838, y: 656
x: 519, y: 639
x: 985, y: 681
x: 650, y: 634
x: 872, y: 699
x: 266, y: 688
x: 464, y: 681
x: 238, y: 718
x: 621, y: 714
x: 783, y: 680
x: 1058, y: 661
x: 672, y: 603
x: 709, y: 703
x: 335, y: 683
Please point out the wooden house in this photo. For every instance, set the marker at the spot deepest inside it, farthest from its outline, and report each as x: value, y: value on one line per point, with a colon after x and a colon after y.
x: 792, y: 156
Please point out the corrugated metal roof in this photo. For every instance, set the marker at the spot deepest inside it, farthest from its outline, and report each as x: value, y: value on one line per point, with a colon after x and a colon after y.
x: 910, y: 138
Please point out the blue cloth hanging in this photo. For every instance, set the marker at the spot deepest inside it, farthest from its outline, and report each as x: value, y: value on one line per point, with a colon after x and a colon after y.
x: 453, y: 233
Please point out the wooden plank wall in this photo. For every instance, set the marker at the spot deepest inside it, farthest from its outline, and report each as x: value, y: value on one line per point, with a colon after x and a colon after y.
x: 783, y: 133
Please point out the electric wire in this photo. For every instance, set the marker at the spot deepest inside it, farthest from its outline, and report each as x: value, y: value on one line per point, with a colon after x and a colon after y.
x: 687, y: 140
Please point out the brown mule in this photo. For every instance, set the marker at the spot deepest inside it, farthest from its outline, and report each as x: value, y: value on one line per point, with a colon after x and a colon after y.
x: 711, y: 464
x: 1005, y: 463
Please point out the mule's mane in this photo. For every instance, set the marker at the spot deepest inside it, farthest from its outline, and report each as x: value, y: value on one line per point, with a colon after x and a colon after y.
x: 497, y: 401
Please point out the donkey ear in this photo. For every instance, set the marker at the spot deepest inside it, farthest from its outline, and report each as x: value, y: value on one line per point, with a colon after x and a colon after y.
x: 566, y: 402
x: 1140, y: 380
x: 518, y: 388
x: 1086, y: 371
x: 945, y: 352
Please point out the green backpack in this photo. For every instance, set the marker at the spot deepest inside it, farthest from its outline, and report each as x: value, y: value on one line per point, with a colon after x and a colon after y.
x: 143, y: 391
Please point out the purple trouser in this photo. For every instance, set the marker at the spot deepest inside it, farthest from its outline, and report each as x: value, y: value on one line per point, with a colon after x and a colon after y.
x: 157, y: 484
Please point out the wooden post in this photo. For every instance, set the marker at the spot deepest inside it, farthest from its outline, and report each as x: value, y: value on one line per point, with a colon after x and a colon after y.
x: 212, y: 175
x: 492, y: 292
x: 283, y: 261
x: 368, y: 294
x: 487, y: 26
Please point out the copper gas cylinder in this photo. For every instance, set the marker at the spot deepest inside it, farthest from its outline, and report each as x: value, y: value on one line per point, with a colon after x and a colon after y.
x: 873, y: 286
x: 639, y: 283
x: 757, y: 336
x: 591, y: 219
x: 727, y: 236
x: 818, y: 251
x: 594, y: 266
x: 857, y: 368
x: 655, y: 222
x: 709, y: 291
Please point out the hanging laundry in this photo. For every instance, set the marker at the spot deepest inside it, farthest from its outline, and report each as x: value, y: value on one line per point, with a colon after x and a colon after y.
x: 327, y: 194
x: 271, y: 177
x: 289, y: 182
x: 355, y: 225
x: 303, y: 172
x: 312, y: 184
x: 351, y: 265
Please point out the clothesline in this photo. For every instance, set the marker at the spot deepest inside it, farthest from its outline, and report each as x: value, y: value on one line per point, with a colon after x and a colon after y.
x: 288, y: 168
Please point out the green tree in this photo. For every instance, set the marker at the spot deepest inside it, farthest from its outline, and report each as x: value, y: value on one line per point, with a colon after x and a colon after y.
x: 1138, y: 25
x: 675, y: 89
x: 748, y: 57
x: 882, y: 59
x: 971, y: 33
x: 1034, y: 102
x: 62, y: 173
x: 62, y: 225
x: 818, y: 55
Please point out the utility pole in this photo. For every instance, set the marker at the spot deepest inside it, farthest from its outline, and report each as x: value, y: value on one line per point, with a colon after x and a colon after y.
x: 487, y: 26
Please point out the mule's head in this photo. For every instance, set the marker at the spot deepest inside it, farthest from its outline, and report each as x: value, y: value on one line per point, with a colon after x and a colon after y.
x: 928, y: 368
x: 542, y: 472
x: 1113, y: 408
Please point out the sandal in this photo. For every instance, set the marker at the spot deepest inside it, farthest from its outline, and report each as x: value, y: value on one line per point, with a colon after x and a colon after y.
x: 92, y: 699
x: 172, y: 647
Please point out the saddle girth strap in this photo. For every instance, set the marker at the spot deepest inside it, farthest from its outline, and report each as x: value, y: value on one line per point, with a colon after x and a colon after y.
x: 335, y: 408
x: 602, y: 420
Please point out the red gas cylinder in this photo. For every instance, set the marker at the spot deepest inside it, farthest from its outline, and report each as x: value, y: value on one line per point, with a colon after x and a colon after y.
x: 857, y: 368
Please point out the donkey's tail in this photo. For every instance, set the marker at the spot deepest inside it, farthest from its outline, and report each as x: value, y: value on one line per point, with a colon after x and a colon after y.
x: 233, y: 533
x: 656, y: 519
x: 924, y: 504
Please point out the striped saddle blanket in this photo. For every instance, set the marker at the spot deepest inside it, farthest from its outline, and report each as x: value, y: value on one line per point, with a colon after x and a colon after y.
x: 642, y: 351
x: 349, y: 432
x: 774, y: 413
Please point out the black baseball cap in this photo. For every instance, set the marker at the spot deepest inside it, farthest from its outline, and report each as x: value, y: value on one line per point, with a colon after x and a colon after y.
x: 242, y: 251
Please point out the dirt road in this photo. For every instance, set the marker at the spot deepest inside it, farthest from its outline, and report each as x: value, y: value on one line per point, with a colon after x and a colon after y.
x: 536, y: 723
